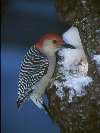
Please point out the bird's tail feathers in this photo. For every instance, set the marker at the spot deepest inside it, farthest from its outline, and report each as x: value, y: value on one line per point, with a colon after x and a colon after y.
x: 48, y: 111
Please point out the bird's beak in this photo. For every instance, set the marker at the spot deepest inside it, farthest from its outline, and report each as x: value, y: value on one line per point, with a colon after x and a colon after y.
x: 68, y: 46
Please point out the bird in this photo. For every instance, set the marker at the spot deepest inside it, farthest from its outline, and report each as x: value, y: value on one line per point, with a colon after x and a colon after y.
x: 37, y: 69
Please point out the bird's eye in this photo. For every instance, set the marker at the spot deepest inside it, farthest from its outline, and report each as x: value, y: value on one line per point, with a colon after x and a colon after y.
x: 55, y: 41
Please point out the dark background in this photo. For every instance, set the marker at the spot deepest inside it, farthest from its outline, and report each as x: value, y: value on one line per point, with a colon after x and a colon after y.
x: 23, y: 23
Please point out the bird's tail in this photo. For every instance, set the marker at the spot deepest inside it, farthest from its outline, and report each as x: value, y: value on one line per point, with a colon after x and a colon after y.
x: 40, y: 103
x: 48, y: 111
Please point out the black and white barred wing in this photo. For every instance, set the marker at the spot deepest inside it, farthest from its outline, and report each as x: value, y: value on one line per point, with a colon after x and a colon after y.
x: 33, y: 67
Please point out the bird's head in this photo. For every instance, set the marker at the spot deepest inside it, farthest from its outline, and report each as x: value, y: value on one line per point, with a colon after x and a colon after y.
x: 50, y: 43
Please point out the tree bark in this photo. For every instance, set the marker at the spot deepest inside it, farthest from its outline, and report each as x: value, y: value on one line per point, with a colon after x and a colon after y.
x: 83, y: 114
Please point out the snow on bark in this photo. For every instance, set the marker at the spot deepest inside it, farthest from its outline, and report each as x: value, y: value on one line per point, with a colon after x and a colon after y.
x: 73, y: 67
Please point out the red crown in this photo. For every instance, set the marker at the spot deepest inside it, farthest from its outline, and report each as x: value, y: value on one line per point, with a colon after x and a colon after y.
x: 39, y: 44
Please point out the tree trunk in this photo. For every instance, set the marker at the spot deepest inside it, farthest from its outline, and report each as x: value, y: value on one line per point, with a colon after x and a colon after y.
x: 83, y: 114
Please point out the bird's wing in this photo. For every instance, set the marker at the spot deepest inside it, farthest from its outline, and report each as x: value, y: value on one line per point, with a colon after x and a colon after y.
x: 33, y: 67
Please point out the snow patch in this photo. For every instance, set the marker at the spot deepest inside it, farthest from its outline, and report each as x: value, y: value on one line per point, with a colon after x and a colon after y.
x: 73, y: 66
x: 59, y: 87
x: 72, y: 37
x: 77, y: 85
x: 83, y: 2
x: 98, y: 31
x: 74, y: 62
x: 97, y: 59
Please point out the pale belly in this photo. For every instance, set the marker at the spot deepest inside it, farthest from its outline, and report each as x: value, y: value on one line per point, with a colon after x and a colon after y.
x: 40, y: 87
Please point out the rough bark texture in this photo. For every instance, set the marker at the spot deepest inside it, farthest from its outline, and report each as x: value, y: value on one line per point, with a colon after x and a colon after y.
x: 83, y: 114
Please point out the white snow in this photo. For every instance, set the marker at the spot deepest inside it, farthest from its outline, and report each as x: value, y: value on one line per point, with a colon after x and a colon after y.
x: 84, y: 2
x: 59, y: 91
x: 97, y: 31
x: 72, y: 37
x: 72, y: 60
x: 97, y: 59
x: 77, y: 85
x: 73, y: 66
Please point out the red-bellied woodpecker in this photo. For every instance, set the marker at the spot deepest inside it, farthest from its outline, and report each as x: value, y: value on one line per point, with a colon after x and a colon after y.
x: 37, y: 69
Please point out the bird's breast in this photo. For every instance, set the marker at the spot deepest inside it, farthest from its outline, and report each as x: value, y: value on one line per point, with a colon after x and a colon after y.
x: 41, y: 86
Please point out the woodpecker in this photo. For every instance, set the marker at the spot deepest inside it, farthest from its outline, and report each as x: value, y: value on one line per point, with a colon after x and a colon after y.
x: 37, y: 69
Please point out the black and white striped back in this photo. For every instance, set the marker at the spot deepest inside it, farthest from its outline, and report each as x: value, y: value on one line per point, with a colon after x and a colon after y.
x: 33, y: 67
